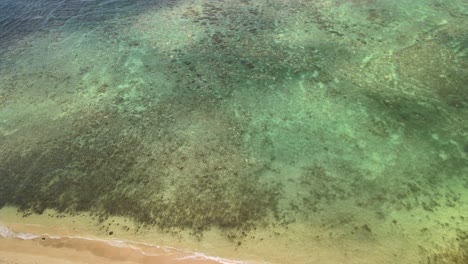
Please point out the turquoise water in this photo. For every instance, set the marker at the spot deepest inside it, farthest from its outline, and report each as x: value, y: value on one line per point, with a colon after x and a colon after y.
x: 345, y: 117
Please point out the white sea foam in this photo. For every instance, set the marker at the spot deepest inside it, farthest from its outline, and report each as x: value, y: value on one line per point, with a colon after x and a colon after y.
x: 199, y: 256
x: 6, y: 232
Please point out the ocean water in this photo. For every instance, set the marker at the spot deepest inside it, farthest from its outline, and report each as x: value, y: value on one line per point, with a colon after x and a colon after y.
x: 300, y: 131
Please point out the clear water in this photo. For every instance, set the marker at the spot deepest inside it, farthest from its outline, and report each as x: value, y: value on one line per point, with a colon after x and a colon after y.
x: 321, y: 125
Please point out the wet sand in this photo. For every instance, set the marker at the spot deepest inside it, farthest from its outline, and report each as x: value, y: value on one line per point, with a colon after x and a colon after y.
x: 74, y: 250
x: 21, y: 248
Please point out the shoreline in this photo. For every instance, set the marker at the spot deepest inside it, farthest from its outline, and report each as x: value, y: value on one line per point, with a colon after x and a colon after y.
x: 81, y: 237
x: 18, y: 248
x: 88, y: 241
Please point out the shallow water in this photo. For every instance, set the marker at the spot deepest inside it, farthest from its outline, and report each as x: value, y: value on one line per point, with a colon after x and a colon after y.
x: 286, y: 130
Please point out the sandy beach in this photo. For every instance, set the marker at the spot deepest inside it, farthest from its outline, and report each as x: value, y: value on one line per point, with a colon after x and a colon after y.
x: 74, y: 250
x: 79, y: 239
x: 23, y: 248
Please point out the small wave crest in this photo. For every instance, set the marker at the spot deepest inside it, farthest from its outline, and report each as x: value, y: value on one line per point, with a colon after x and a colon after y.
x: 8, y: 233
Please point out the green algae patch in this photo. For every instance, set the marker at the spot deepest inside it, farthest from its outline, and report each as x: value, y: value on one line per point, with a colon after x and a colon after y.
x: 180, y: 179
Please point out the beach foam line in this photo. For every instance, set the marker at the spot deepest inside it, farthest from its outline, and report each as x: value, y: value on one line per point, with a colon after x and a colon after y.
x: 117, y: 250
